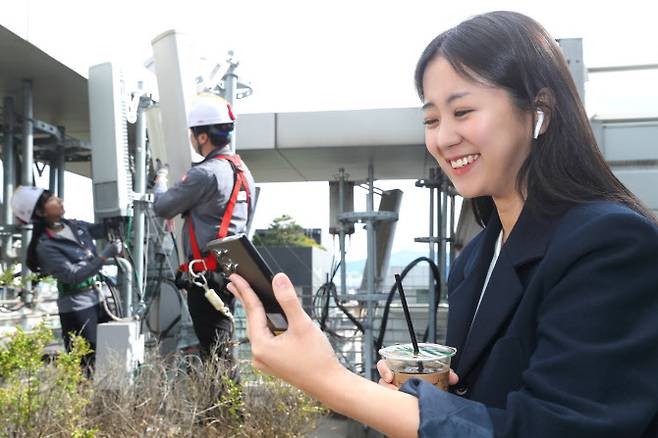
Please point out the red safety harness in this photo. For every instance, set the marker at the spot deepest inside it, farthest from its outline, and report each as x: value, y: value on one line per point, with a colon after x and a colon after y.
x: 210, y: 261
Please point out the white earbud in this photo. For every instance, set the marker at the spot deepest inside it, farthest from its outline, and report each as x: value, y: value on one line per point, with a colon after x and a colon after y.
x: 538, y: 123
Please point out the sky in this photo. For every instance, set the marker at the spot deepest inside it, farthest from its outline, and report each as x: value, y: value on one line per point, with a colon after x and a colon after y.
x: 337, y: 55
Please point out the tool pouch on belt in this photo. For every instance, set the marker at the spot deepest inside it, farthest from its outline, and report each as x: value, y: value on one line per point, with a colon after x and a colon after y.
x: 216, y: 281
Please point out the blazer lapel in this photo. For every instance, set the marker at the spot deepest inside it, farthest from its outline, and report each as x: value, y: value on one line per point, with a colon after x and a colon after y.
x: 526, y: 243
x: 463, y: 299
x: 499, y: 301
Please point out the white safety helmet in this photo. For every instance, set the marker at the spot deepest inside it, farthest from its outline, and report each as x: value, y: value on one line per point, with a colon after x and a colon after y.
x: 24, y: 201
x: 209, y: 109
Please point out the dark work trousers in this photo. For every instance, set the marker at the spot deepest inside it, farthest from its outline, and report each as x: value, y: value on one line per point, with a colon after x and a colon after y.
x: 210, y: 325
x: 84, y: 323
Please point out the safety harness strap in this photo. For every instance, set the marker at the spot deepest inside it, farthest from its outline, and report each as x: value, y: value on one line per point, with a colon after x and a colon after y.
x: 210, y: 261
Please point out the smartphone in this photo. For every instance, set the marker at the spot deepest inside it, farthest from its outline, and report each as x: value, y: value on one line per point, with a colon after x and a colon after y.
x: 236, y: 254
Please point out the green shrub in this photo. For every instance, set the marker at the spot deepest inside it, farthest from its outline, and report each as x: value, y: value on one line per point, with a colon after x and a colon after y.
x: 38, y: 398
x: 177, y: 396
x: 7, y: 278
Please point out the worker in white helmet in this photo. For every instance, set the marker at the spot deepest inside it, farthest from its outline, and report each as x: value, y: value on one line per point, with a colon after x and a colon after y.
x: 214, y: 197
x: 65, y: 249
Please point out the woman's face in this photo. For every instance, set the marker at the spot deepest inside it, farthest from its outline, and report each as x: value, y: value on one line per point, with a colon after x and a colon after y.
x: 477, y: 135
x: 53, y: 209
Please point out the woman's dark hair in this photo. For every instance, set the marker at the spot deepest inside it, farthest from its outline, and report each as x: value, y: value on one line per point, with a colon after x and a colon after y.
x: 513, y: 52
x: 219, y: 135
x: 39, y: 227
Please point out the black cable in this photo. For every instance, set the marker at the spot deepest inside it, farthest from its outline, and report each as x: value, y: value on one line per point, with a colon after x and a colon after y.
x: 325, y: 307
x: 323, y: 293
x: 437, y: 292
x: 330, y: 289
x: 174, y: 241
x: 157, y: 290
x: 351, y: 317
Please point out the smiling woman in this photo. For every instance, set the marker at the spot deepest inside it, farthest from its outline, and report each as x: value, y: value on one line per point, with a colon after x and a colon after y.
x: 549, y: 301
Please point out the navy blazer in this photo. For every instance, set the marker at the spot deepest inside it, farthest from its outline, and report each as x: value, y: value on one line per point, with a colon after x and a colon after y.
x: 565, y: 342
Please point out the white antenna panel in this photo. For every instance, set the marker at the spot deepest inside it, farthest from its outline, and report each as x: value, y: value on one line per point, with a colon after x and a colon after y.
x: 172, y: 54
x: 111, y: 177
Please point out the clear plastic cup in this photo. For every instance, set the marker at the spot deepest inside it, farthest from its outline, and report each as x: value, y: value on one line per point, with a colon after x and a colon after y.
x: 431, y: 364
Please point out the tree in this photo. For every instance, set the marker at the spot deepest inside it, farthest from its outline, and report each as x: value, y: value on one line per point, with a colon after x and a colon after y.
x: 284, y: 231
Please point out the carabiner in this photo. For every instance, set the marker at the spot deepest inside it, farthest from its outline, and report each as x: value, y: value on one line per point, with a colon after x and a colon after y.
x: 190, y: 268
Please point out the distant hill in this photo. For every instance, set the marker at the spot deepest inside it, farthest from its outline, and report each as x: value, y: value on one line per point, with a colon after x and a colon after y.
x: 401, y: 258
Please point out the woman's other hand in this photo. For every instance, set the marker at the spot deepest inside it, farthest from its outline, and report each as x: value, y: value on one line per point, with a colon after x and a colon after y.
x: 386, y: 376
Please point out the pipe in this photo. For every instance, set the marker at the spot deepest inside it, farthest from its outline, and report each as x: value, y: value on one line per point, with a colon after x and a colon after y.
x: 140, y: 189
x: 231, y: 86
x: 52, y: 176
x: 442, y: 233
x: 9, y: 177
x: 368, y: 343
x: 60, y: 162
x: 431, y: 322
x: 451, y: 233
x: 341, y: 234
x: 26, y: 177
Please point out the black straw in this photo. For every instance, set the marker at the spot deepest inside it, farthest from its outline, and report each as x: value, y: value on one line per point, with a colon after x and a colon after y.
x: 407, y: 315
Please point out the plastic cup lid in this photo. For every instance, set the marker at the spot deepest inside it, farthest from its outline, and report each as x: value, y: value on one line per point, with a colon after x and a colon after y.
x: 426, y: 352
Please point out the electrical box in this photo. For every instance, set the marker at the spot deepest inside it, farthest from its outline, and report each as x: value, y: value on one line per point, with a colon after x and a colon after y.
x: 110, y: 161
x: 119, y: 350
x: 334, y: 205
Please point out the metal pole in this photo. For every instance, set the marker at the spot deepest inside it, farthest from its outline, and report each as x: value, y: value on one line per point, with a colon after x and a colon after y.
x: 341, y: 234
x: 26, y: 176
x: 444, y: 226
x: 230, y: 86
x: 451, y: 234
x: 438, y: 259
x: 61, y: 161
x: 28, y: 137
x: 618, y: 68
x: 432, y: 298
x: 368, y: 346
x: 9, y: 176
x: 140, y: 189
x: 572, y: 48
x: 52, y: 175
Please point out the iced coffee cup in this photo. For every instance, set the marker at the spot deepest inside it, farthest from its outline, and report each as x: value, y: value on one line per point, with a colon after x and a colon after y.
x: 432, y: 363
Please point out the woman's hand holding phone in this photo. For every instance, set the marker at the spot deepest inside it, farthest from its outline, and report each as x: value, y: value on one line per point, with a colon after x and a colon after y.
x: 302, y: 355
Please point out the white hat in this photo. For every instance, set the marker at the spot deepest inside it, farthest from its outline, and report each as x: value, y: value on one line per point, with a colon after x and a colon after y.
x: 209, y: 109
x: 24, y: 201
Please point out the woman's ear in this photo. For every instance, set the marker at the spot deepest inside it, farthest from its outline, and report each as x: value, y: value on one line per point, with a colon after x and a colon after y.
x: 544, y: 103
